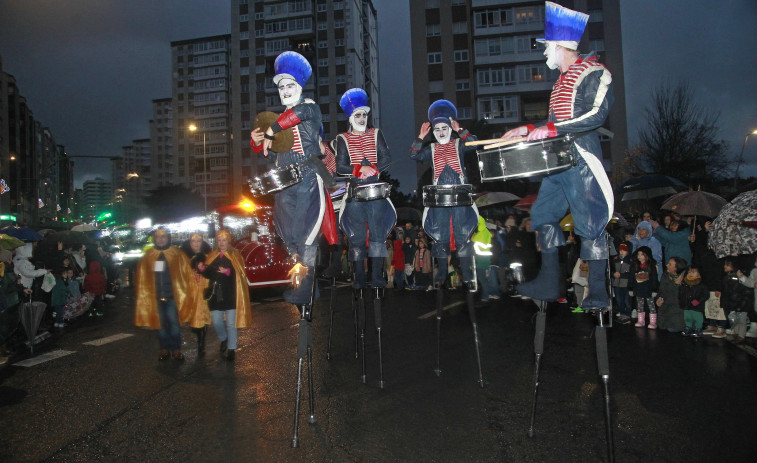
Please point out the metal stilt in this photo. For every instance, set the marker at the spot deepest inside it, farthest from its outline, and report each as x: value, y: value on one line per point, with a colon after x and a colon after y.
x: 476, y: 340
x: 304, y: 348
x: 377, y: 319
x: 361, y: 322
x: 541, y: 321
x: 603, y: 366
x: 439, y: 310
x: 331, y: 316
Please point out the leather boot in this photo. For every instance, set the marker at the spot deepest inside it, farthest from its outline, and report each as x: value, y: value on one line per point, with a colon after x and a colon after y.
x: 201, y: 339
x: 597, y: 298
x: 546, y: 285
x: 652, y: 321
x: 640, y: 323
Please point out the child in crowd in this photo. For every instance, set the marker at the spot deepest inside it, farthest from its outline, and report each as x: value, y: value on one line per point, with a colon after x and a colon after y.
x: 95, y: 284
x: 580, y: 280
x: 692, y: 296
x: 621, y: 278
x: 643, y: 284
x: 750, y: 281
x: 60, y: 296
x: 669, y: 309
x: 423, y: 267
x: 734, y: 298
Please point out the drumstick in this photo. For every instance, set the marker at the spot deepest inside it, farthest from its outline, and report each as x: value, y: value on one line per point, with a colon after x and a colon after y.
x: 506, y: 142
x: 483, y: 142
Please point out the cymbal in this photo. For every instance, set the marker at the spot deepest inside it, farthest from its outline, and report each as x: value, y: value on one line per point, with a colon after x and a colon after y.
x: 282, y: 141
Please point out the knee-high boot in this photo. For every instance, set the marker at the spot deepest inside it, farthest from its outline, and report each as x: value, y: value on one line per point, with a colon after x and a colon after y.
x: 597, y: 297
x: 546, y: 285
x: 200, y: 332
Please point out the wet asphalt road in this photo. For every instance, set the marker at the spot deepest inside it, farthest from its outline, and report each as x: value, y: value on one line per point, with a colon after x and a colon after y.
x: 673, y: 398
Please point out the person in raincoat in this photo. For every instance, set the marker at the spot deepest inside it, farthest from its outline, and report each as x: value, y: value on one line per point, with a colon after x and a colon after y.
x: 643, y: 237
x: 488, y: 277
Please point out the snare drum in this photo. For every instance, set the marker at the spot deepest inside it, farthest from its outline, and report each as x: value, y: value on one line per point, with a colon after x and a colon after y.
x: 275, y: 180
x: 447, y: 195
x: 369, y: 191
x: 526, y: 159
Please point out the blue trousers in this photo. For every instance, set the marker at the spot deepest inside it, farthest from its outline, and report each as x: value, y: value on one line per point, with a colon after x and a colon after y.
x: 578, y: 190
x: 225, y: 325
x: 169, y: 333
x: 368, y: 220
x: 623, y: 300
x: 436, y: 223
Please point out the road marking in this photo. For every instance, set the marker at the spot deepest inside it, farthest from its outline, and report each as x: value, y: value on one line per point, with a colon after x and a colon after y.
x: 446, y: 307
x: 47, y: 356
x: 109, y: 339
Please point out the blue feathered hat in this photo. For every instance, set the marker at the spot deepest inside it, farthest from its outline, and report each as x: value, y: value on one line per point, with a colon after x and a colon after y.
x: 441, y: 111
x: 354, y: 99
x: 291, y: 65
x: 563, y: 24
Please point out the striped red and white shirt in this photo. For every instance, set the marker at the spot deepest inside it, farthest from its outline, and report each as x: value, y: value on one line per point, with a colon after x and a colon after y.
x: 443, y: 155
x: 362, y: 146
x: 563, y: 96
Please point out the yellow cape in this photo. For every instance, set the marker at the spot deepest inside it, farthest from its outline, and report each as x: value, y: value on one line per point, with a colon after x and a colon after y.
x: 146, y: 310
x: 244, y: 309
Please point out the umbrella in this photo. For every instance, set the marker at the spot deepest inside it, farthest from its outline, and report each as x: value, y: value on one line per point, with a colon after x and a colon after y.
x: 25, y: 234
x: 408, y: 214
x: 731, y: 233
x: 72, y: 237
x: 9, y: 242
x: 83, y: 227
x: 495, y: 197
x: 618, y: 218
x: 695, y: 203
x: 31, y: 316
x: 526, y: 203
x: 650, y: 186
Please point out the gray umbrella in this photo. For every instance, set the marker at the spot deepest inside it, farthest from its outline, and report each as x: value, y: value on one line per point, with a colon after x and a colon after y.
x: 31, y: 316
x: 729, y: 235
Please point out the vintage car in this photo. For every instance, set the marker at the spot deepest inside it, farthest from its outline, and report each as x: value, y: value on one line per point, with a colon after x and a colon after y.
x: 267, y: 261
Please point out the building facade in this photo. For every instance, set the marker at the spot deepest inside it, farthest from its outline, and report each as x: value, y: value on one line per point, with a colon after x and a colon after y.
x: 483, y: 56
x: 161, y: 143
x: 339, y: 39
x: 201, y: 158
x: 35, y: 169
x: 96, y: 197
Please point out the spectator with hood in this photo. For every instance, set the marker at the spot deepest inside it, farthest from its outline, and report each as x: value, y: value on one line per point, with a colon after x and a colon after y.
x: 643, y: 237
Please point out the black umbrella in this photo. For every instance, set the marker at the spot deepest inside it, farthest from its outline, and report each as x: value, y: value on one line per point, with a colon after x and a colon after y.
x: 408, y: 214
x: 649, y: 186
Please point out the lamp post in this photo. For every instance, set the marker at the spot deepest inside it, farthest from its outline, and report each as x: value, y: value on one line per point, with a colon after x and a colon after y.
x: 192, y: 128
x: 741, y: 159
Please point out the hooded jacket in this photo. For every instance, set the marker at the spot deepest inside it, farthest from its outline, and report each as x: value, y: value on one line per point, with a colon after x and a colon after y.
x: 95, y: 283
x: 651, y: 242
x: 675, y: 243
x: 23, y: 266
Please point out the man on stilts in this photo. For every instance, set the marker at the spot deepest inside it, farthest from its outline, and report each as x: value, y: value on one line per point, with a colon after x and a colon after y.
x: 450, y: 225
x: 362, y: 153
x: 580, y: 102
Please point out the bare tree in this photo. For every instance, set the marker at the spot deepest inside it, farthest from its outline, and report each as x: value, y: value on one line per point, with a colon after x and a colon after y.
x: 680, y: 138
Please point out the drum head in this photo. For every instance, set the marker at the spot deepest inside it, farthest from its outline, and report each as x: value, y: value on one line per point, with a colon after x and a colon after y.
x: 282, y: 141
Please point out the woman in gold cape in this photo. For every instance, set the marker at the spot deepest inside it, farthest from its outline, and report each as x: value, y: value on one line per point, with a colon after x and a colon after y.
x: 197, y: 250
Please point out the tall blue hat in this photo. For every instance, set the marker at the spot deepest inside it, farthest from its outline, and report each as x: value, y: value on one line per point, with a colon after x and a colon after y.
x: 563, y: 24
x: 441, y: 111
x: 354, y: 99
x: 291, y: 65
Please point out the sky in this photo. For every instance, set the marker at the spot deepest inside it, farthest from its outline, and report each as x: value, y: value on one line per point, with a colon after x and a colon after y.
x: 90, y: 69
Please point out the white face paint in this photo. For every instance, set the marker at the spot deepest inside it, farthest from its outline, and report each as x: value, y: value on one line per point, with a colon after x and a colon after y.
x: 442, y: 133
x: 289, y: 92
x: 553, y: 55
x: 359, y: 121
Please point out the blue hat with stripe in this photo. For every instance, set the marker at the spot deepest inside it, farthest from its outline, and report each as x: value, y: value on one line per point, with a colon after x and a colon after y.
x: 354, y: 99
x: 292, y: 65
x: 441, y: 111
x: 563, y: 24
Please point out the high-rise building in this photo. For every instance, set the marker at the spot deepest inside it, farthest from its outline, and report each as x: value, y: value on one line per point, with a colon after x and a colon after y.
x: 339, y: 39
x: 200, y: 117
x: 161, y: 141
x: 483, y: 56
x: 96, y: 197
x: 33, y: 167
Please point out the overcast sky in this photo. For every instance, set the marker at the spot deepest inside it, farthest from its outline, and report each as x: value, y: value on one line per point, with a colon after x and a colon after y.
x: 90, y: 68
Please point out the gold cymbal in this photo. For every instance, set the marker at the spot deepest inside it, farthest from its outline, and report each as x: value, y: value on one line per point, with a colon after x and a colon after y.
x: 282, y: 141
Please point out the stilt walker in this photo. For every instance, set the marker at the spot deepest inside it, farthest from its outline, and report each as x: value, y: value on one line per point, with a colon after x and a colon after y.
x: 300, y: 210
x: 449, y: 210
x: 580, y: 102
x: 367, y: 213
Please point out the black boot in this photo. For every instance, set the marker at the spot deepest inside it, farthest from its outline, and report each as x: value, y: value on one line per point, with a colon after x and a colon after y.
x: 224, y: 344
x: 597, y: 286
x: 200, y: 332
x: 546, y: 285
x: 230, y: 355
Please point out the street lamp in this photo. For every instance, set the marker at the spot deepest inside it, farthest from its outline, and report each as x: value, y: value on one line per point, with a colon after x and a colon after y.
x: 741, y: 157
x: 193, y: 128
